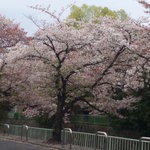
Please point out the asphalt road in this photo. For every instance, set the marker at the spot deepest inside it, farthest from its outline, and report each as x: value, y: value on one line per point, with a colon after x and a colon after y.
x: 10, y: 145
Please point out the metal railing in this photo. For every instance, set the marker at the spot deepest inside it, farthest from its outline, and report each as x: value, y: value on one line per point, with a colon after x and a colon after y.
x: 40, y: 133
x: 26, y: 132
x: 101, y: 140
x: 83, y: 139
x: 67, y: 138
x: 15, y: 130
x: 97, y: 141
x: 6, y: 128
x: 120, y: 143
x: 144, y: 143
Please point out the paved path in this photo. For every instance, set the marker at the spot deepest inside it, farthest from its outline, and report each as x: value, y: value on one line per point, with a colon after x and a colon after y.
x: 10, y: 145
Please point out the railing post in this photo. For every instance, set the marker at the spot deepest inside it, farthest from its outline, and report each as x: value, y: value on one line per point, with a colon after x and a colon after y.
x: 7, y: 128
x: 21, y: 132
x: 105, y: 139
x: 26, y: 130
x: 70, y: 137
x: 140, y: 141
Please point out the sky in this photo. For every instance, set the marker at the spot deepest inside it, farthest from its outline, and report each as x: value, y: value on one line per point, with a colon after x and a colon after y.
x: 18, y: 10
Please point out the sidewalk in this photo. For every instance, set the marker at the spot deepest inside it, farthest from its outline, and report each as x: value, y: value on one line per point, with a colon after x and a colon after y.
x: 18, y: 140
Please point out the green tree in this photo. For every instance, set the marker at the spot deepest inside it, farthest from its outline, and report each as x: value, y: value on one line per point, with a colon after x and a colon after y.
x: 4, y: 109
x: 85, y: 13
x: 137, y: 119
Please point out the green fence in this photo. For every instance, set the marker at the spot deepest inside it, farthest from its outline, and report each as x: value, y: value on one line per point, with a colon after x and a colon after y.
x: 88, y: 140
x: 102, y: 120
x: 82, y: 140
x: 15, y: 130
x: 40, y: 133
x: 32, y: 132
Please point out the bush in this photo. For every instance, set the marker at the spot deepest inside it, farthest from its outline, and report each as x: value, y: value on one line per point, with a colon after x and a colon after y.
x: 45, y: 121
x: 19, y: 115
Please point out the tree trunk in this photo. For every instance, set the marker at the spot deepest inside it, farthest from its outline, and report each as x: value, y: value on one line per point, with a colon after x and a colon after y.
x: 58, y: 125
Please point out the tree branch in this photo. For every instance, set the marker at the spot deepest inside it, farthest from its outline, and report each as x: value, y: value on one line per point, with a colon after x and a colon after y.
x: 80, y: 68
x: 122, y: 49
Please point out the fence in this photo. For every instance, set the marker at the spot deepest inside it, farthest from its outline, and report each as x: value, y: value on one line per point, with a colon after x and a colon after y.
x: 26, y: 133
x: 103, y: 142
x: 82, y: 140
x: 102, y: 120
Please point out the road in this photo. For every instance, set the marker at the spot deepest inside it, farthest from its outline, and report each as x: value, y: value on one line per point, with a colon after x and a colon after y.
x: 10, y: 145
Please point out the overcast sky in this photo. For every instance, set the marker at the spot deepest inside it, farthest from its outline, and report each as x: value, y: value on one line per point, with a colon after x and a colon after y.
x: 18, y: 9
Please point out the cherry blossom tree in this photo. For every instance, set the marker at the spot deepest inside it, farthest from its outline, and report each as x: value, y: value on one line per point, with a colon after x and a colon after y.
x: 145, y: 4
x: 10, y: 35
x: 83, y: 66
x: 139, y: 80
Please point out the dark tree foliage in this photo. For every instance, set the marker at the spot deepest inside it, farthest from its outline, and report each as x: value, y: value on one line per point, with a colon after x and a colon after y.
x: 137, y: 119
x: 4, y: 109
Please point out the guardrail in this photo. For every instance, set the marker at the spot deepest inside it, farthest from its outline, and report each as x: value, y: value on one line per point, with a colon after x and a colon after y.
x: 97, y: 141
x: 143, y: 143
x: 42, y: 134
x: 26, y: 133
x: 101, y: 141
x: 67, y: 138
x: 6, y: 129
